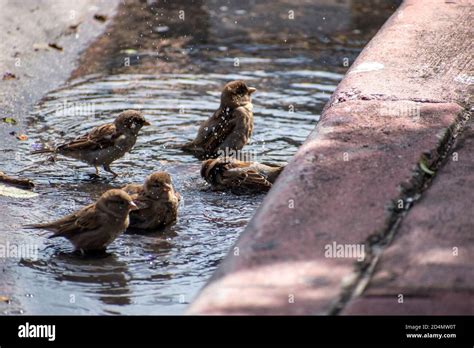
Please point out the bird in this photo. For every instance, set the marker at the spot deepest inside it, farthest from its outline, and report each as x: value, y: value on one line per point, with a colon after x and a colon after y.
x: 104, y: 144
x: 230, y: 127
x: 157, y: 202
x: 238, y: 176
x: 95, y: 226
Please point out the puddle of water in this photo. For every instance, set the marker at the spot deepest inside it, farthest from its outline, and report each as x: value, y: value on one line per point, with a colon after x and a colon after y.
x: 158, y: 273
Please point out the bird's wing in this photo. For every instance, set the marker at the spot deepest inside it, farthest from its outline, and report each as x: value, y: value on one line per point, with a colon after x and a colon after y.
x: 238, y: 131
x: 98, y: 138
x: 87, y: 220
x: 142, y: 201
x: 218, y: 129
x: 142, y: 215
x: 245, y: 178
x: 82, y: 221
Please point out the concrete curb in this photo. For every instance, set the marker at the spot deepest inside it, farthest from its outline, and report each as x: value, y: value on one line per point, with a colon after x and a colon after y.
x: 395, y: 108
x: 428, y: 268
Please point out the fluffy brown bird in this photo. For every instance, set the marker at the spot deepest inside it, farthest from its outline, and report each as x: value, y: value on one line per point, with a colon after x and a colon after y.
x: 95, y: 226
x: 104, y: 144
x: 157, y: 202
x: 238, y: 176
x: 229, y: 128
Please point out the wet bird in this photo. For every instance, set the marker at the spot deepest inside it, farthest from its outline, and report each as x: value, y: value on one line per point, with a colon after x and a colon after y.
x: 229, y: 128
x: 238, y: 176
x: 104, y: 144
x: 95, y: 226
x: 157, y: 202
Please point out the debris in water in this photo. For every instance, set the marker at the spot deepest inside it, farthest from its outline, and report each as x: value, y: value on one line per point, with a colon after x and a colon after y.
x: 100, y: 17
x: 55, y: 46
x: 5, y: 299
x: 8, y: 76
x: 74, y: 27
x: 9, y: 120
x: 40, y: 46
x: 22, y: 183
x: 22, y: 137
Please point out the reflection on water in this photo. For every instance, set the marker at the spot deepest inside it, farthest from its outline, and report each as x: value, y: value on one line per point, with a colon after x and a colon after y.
x: 160, y: 273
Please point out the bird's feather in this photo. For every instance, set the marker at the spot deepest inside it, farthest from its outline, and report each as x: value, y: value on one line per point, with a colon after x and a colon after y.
x: 98, y: 138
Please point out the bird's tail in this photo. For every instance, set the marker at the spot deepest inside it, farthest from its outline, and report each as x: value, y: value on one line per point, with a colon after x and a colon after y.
x: 39, y: 225
x: 275, y: 173
x: 273, y: 164
x: 279, y: 170
x: 43, y: 150
x: 45, y: 226
x: 185, y: 146
x: 32, y: 226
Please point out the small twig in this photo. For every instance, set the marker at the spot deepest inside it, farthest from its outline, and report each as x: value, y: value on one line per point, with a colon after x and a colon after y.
x: 18, y: 182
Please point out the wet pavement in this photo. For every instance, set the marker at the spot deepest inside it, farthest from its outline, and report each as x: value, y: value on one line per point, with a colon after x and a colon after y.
x: 171, y: 69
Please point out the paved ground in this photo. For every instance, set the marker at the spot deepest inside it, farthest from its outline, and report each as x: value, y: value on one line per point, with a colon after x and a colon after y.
x: 37, y: 68
x: 27, y: 54
x: 378, y: 175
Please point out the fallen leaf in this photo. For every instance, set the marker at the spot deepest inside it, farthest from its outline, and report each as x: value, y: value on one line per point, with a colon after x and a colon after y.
x: 40, y: 46
x: 425, y: 168
x: 129, y: 51
x: 55, y: 46
x: 4, y: 299
x: 9, y: 120
x: 22, y: 137
x: 8, y: 76
x: 100, y: 17
x: 75, y: 26
x: 9, y: 191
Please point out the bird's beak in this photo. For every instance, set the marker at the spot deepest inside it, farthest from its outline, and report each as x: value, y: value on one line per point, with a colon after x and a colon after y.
x: 133, y: 206
x: 251, y: 90
x: 146, y: 123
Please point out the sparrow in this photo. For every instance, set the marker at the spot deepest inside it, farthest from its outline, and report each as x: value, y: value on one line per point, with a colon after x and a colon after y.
x: 95, y: 226
x: 104, y: 144
x: 157, y: 202
x: 229, y: 128
x: 238, y: 176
